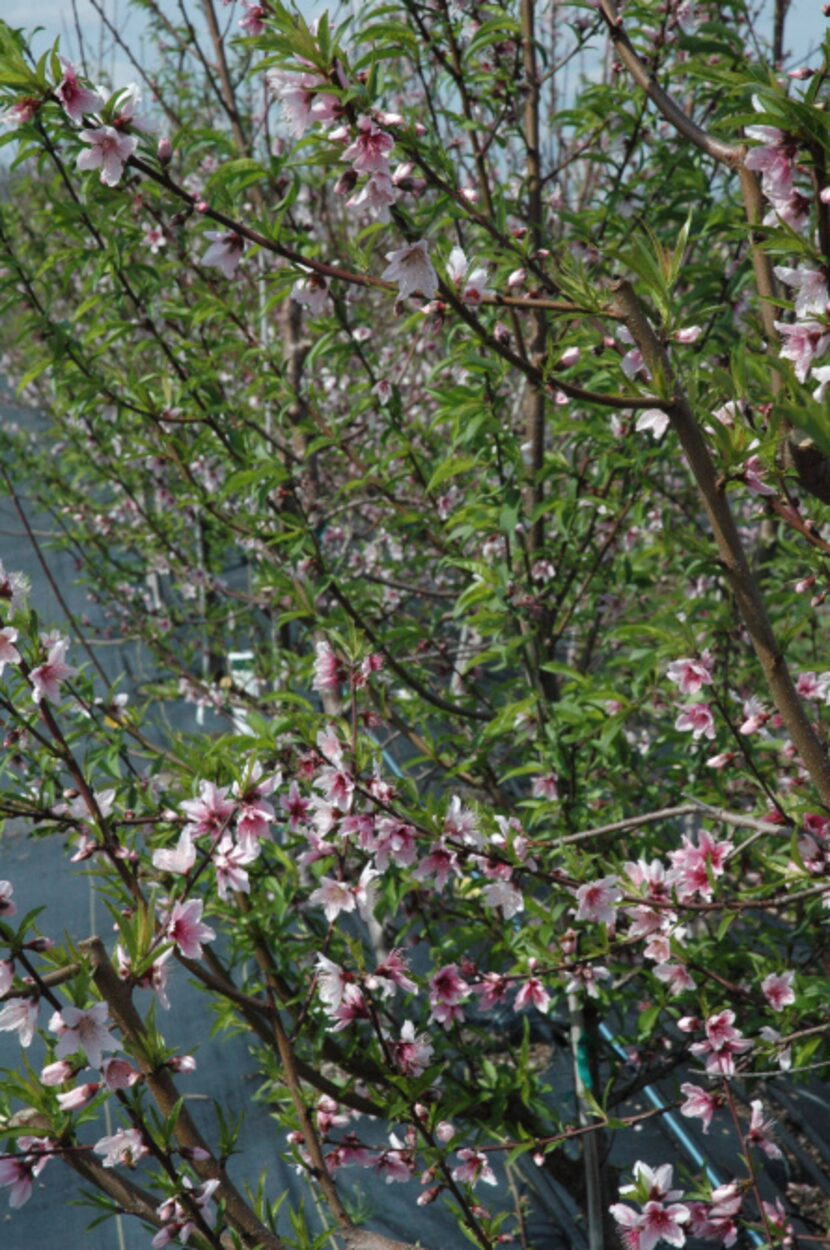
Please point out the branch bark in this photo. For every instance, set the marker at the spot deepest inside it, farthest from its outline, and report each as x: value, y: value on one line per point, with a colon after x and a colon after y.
x: 733, y: 557
x: 163, y: 1090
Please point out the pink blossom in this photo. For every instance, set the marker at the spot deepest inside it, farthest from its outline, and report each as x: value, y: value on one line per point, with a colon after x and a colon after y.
x: 598, y: 900
x: 22, y: 111
x: 677, y: 977
x: 328, y: 1115
x: 369, y: 153
x: 57, y: 1073
x: 652, y: 421
x: 760, y: 1131
x: 83, y: 1030
x: 774, y: 159
x: 251, y: 20
x: 119, y: 1074
x: 229, y: 862
x: 688, y: 334
x: 377, y: 193
x: 184, y: 927
x: 109, y: 151
x: 446, y: 990
x: 412, y: 269
x: 504, y: 895
x: 13, y: 590
x: 331, y: 981
x: 754, y: 472
x: 692, y: 865
x: 127, y: 110
x: 177, y: 1218
x: 545, y: 787
x: 225, y: 251
x: 809, y: 686
x: 154, y: 238
x: 633, y: 363
x: 254, y: 812
x: 802, y: 342
x: 328, y: 671
x: 313, y: 292
x: 532, y: 994
x: 75, y: 1099
x: 657, y: 1221
x: 294, y: 806
x: 690, y: 675
x: 460, y: 823
x: 391, y: 974
x: 653, y: 1184
x: 16, y: 1175
x: 179, y: 860
x: 46, y: 678
x: 776, y: 1215
x: 336, y: 896
x: 811, y: 289
x: 755, y: 717
x: 20, y: 1015
x: 470, y: 284
x: 778, y: 990
x: 438, y: 864
x: 7, y: 907
x: 699, y: 1103
x: 585, y: 978
x: 629, y: 1223
x: 716, y: 1222
x: 794, y: 212
x: 352, y: 1006
x: 413, y: 1053
x: 76, y: 100
x: 821, y: 374
x: 395, y: 843
x: 723, y: 1042
x: 123, y: 1148
x: 209, y: 814
x: 185, y: 1064
x: 663, y: 1223
x: 698, y: 718
x: 474, y: 1167
x: 394, y: 1165
x: 302, y: 100
x: 492, y: 989
x: 9, y: 653
x: 721, y: 759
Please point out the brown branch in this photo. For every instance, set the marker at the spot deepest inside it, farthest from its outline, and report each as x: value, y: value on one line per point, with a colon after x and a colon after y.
x: 733, y: 557
x: 534, y: 402
x: 162, y: 1087
x: 727, y: 154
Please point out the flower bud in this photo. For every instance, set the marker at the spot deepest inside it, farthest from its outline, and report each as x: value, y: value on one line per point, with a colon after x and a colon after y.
x: 58, y: 1072
x: 74, y: 1099
x: 165, y: 151
x: 181, y: 1063
x: 345, y: 183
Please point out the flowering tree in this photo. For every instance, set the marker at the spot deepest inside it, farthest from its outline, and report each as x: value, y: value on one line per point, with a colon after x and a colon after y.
x: 449, y: 426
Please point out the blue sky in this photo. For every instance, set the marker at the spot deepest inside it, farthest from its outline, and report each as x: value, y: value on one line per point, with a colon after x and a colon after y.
x: 805, y: 26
